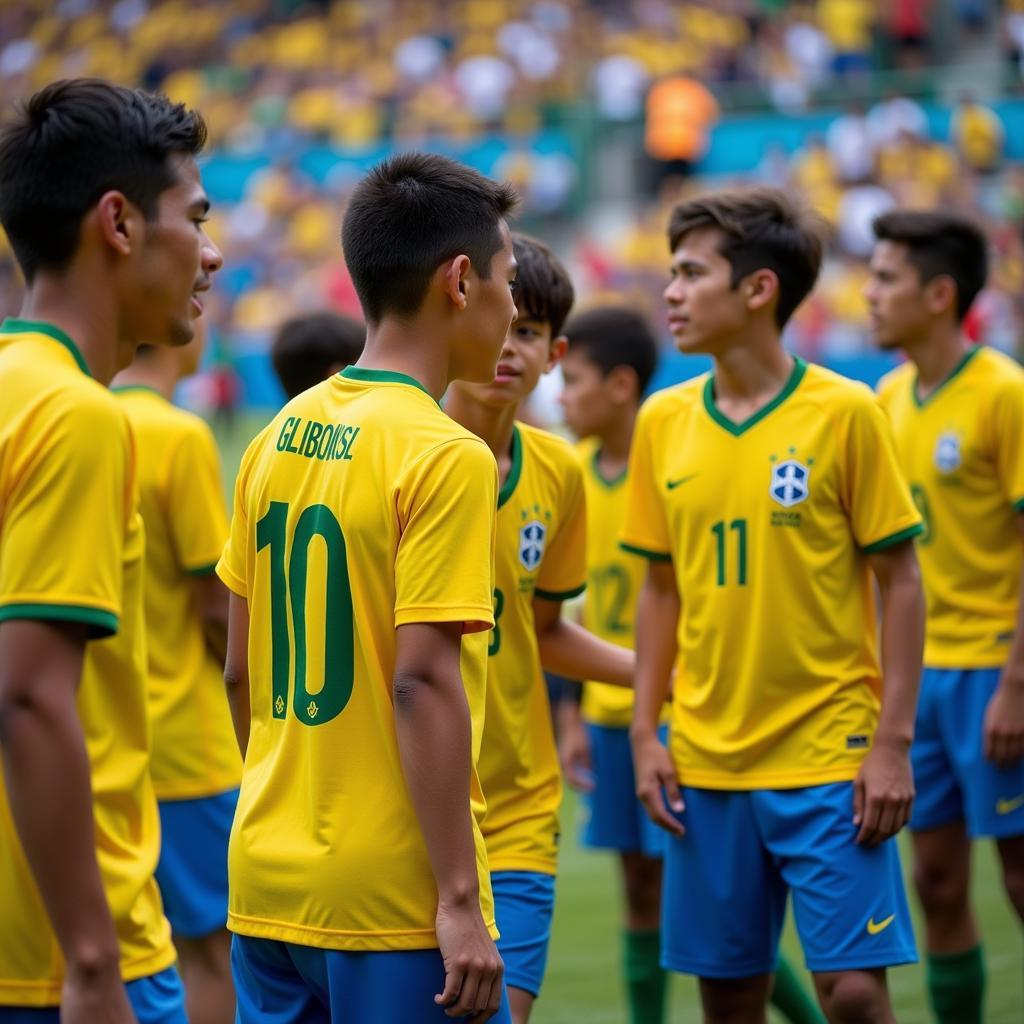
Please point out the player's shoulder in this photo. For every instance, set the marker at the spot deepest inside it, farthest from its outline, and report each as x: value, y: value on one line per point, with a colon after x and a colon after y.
x: 835, y: 394
x: 896, y: 382
x: 557, y: 455
x: 1001, y: 370
x: 671, y: 401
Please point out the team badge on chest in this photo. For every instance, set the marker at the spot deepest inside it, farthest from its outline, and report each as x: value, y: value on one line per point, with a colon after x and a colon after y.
x: 789, y: 485
x: 531, y: 544
x: 948, y: 455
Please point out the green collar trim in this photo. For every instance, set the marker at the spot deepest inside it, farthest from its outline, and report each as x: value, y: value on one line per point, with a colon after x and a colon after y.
x: 362, y: 373
x: 14, y: 326
x: 595, y: 466
x: 515, y: 470
x: 955, y: 372
x: 799, y: 369
x: 122, y: 388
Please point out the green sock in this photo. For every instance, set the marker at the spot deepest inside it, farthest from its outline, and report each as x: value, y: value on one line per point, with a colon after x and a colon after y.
x: 956, y: 986
x: 645, y: 977
x: 790, y: 997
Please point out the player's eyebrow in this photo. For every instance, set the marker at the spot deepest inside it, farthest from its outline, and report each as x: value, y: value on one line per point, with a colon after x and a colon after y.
x: 677, y: 266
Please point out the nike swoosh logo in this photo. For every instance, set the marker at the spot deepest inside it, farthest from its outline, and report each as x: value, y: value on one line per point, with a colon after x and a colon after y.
x: 673, y: 484
x: 1009, y: 806
x: 874, y: 929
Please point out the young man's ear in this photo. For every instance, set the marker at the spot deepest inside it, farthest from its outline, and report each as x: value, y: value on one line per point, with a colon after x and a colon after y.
x: 623, y: 385
x: 760, y: 289
x: 940, y: 294
x: 455, y: 277
x: 556, y: 353
x: 118, y: 221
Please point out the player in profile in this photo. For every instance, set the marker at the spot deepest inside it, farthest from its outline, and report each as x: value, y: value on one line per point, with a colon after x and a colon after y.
x: 194, y: 758
x: 540, y: 563
x: 360, y: 566
x: 958, y: 414
x: 111, y: 243
x: 766, y: 496
x: 311, y: 347
x: 609, y: 363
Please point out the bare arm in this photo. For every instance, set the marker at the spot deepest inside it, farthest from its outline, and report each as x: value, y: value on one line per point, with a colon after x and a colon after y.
x: 657, y: 618
x: 46, y: 770
x: 573, y: 741
x: 432, y: 722
x: 211, y: 598
x: 569, y: 650
x: 236, y: 669
x: 1004, y: 717
x: 884, y: 788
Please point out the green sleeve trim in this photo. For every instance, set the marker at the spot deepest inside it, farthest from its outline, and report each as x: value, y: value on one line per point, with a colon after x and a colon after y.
x: 893, y: 539
x: 653, y: 556
x: 559, y: 595
x: 1018, y: 506
x: 101, y: 623
x: 203, y: 570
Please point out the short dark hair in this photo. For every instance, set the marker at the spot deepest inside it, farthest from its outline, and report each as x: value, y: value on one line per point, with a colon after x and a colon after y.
x: 762, y: 228
x: 940, y: 244
x: 613, y: 336
x: 74, y: 140
x: 544, y: 289
x: 306, y: 347
x: 410, y: 214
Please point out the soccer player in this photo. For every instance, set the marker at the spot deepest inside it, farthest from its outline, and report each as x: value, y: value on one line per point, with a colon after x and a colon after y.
x: 766, y: 495
x: 194, y: 760
x: 312, y: 347
x: 360, y: 564
x: 958, y: 414
x: 101, y: 199
x: 608, y: 365
x: 541, y: 562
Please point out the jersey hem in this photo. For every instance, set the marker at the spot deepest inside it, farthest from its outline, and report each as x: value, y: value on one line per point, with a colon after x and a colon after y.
x: 893, y: 539
x: 101, y: 622
x: 654, y: 556
x: 559, y: 595
x: 959, y: 662
x: 460, y: 613
x: 170, y: 792
x: 203, y: 570
x: 542, y: 865
x: 745, y: 781
x: 230, y: 580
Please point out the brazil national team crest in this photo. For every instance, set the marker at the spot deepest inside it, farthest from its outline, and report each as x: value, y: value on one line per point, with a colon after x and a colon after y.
x: 789, y: 482
x: 947, y: 452
x: 531, y: 544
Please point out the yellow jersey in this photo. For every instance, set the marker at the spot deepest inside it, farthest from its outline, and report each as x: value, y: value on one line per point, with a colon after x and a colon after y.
x: 360, y: 508
x: 768, y: 524
x: 71, y: 550
x: 962, y: 449
x: 195, y: 753
x: 541, y: 552
x: 614, y: 578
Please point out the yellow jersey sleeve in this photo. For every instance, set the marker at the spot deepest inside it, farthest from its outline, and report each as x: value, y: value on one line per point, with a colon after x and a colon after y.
x: 874, y: 493
x: 196, y: 514
x: 1008, y: 441
x: 645, y: 530
x: 563, y: 572
x: 440, y: 575
x: 62, y: 554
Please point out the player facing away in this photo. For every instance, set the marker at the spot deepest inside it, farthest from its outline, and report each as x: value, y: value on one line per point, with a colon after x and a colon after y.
x: 360, y: 564
x: 609, y: 363
x: 540, y: 562
x: 311, y: 347
x: 958, y: 415
x: 194, y: 758
x: 767, y: 497
x: 101, y: 199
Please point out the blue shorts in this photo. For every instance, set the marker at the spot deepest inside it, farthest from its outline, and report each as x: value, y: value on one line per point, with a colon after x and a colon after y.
x: 524, y: 903
x: 954, y: 781
x: 158, y: 999
x: 284, y: 983
x: 726, y: 882
x: 193, y: 868
x: 617, y: 819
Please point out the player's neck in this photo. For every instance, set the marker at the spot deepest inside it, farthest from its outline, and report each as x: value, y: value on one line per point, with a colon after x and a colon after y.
x: 157, y: 370
x: 751, y: 374
x: 409, y: 350
x: 936, y: 356
x: 91, y: 326
x: 493, y: 424
x: 614, y: 443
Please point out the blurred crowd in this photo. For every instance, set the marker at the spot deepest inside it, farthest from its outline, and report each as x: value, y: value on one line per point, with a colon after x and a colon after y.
x: 272, y: 76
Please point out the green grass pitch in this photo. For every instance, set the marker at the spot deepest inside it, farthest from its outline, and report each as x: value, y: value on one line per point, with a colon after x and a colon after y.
x: 583, y: 981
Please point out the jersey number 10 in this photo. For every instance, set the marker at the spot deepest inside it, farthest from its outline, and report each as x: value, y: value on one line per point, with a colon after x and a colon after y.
x: 288, y: 598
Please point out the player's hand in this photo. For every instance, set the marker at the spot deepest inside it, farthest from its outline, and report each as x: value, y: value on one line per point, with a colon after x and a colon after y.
x: 883, y: 793
x: 656, y: 782
x: 473, y: 970
x: 94, y: 997
x: 574, y: 753
x: 1003, y: 731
